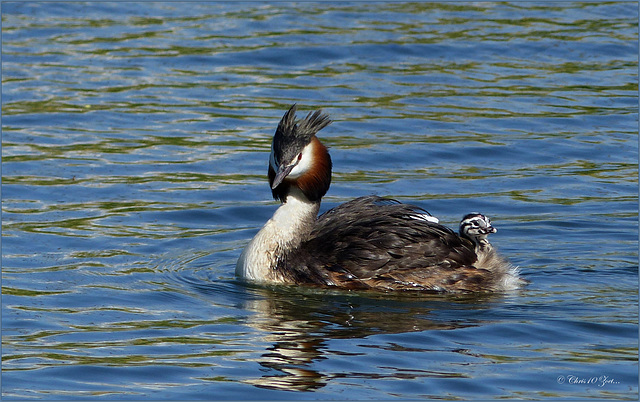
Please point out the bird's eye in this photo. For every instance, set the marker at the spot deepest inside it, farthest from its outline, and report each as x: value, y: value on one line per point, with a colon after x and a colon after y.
x: 299, y: 156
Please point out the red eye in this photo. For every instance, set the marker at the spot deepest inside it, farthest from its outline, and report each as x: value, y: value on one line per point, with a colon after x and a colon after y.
x: 299, y: 156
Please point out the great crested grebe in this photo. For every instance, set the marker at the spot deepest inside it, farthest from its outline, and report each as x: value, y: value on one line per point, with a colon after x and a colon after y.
x: 367, y: 243
x: 476, y: 227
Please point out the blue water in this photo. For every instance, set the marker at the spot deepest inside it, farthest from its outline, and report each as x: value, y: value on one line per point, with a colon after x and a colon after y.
x: 135, y: 139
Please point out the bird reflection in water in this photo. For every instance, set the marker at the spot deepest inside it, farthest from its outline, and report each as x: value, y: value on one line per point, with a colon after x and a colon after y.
x: 301, y: 323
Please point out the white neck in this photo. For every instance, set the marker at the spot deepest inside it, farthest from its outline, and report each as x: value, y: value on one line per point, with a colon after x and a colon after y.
x: 290, y: 225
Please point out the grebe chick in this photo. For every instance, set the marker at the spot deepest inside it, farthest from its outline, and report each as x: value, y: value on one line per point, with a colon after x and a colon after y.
x: 367, y: 243
x: 477, y: 227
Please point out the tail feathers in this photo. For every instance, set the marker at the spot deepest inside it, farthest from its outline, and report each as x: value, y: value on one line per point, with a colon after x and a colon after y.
x: 507, y: 276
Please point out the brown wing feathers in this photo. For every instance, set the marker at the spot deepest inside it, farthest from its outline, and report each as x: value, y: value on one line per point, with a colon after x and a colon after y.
x: 376, y: 242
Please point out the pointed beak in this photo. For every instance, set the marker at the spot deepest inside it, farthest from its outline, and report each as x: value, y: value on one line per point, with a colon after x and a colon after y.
x: 490, y: 229
x: 283, y: 171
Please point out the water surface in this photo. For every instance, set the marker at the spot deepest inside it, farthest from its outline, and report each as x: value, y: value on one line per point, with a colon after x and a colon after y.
x: 135, y: 140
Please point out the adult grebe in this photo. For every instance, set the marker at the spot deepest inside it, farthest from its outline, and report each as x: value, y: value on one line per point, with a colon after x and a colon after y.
x: 367, y: 243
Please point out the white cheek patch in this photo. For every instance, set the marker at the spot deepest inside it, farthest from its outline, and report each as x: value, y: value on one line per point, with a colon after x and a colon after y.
x: 304, y: 164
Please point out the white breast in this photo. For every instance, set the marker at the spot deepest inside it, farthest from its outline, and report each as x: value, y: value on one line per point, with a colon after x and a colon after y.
x: 289, y: 225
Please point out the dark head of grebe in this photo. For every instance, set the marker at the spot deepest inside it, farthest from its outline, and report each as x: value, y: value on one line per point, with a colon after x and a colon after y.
x: 477, y: 227
x: 298, y: 158
x: 367, y: 243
